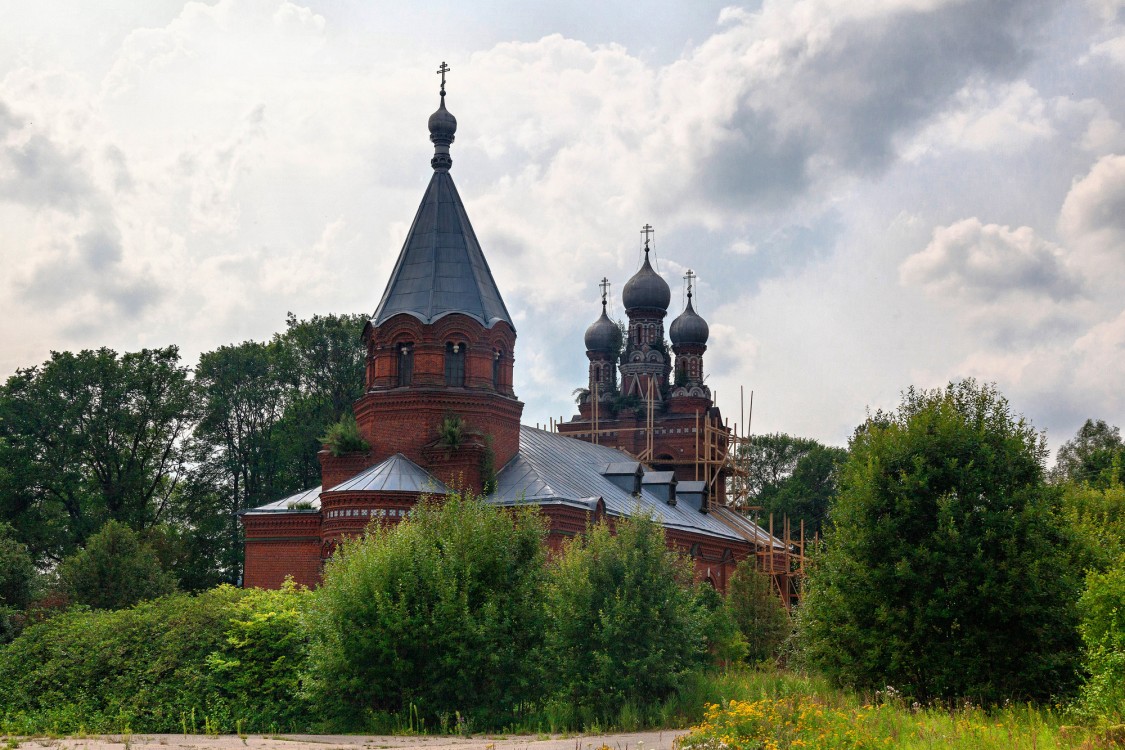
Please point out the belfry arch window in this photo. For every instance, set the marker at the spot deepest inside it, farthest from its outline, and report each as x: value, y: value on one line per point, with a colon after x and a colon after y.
x: 455, y: 363
x: 405, y: 364
x: 497, y: 367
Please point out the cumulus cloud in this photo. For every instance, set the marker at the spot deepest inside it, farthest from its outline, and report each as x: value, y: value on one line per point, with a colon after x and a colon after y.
x: 979, y: 262
x: 1094, y: 209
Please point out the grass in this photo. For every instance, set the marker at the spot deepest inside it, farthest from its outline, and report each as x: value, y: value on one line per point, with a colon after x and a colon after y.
x: 761, y: 711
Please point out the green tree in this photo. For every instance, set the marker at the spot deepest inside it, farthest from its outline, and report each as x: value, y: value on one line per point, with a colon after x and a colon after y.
x: 90, y: 437
x: 791, y: 477
x: 117, y: 569
x: 623, y: 625
x: 947, y: 571
x: 17, y: 571
x: 1097, y: 516
x: 1093, y: 456
x: 757, y: 611
x: 440, y: 613
x: 325, y: 357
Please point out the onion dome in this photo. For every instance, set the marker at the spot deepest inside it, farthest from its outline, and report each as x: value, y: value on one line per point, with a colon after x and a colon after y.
x: 689, y: 327
x: 646, y: 289
x: 603, y: 335
x: 443, y: 125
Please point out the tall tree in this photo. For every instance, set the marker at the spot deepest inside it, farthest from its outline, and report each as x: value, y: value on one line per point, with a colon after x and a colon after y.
x: 244, y: 393
x: 89, y: 437
x: 791, y: 477
x: 1094, y: 456
x: 325, y: 358
x: 948, y: 572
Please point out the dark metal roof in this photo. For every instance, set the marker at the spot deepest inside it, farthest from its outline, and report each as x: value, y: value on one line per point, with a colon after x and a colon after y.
x: 646, y: 289
x: 287, y: 504
x: 689, y: 327
x: 395, y: 474
x: 553, y: 468
x: 441, y: 269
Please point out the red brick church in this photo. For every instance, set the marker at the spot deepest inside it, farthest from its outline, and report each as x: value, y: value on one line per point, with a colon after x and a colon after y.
x: 439, y: 412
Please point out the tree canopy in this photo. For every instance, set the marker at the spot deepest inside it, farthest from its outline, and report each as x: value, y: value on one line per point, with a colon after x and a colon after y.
x: 947, y: 571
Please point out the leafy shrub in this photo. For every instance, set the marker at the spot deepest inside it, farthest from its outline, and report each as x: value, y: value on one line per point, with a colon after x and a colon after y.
x: 725, y: 642
x: 17, y: 571
x: 623, y: 626
x: 948, y: 571
x: 116, y: 569
x: 343, y: 437
x: 166, y: 665
x: 758, y: 612
x: 1103, y: 631
x: 440, y: 613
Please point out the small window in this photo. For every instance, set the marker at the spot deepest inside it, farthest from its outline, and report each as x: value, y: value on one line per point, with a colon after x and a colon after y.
x: 455, y: 364
x: 496, y: 370
x: 405, y: 363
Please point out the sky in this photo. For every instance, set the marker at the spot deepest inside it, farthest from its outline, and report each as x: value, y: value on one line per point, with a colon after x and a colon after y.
x: 875, y: 194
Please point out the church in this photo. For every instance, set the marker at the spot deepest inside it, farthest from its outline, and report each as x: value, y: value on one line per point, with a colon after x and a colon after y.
x: 439, y: 415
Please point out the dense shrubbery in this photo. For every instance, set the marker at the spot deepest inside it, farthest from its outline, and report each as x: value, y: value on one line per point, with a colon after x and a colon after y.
x: 219, y: 660
x: 440, y: 613
x: 116, y: 569
x: 623, y: 625
x: 948, y: 571
x: 1103, y: 632
x: 758, y: 612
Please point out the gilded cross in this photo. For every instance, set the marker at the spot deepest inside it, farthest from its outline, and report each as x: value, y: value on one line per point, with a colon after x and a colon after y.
x: 443, y: 69
x: 689, y: 277
x: 605, y: 289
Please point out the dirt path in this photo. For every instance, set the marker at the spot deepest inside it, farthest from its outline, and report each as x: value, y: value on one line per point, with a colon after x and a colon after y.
x: 635, y: 741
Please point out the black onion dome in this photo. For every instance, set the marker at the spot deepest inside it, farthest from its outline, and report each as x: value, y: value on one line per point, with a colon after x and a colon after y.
x: 689, y: 327
x: 646, y: 289
x: 443, y: 125
x: 603, y: 335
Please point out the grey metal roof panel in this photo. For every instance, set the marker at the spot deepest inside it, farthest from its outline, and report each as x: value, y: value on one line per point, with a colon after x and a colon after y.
x: 395, y: 474
x: 442, y: 269
x: 553, y: 467
x: 286, y: 504
x: 658, y: 477
x: 691, y: 485
x: 620, y: 468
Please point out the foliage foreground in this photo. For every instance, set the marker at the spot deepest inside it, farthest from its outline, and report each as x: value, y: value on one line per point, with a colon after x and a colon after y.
x: 782, y: 712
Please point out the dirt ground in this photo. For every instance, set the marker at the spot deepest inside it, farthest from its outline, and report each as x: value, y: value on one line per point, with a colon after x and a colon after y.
x: 635, y: 741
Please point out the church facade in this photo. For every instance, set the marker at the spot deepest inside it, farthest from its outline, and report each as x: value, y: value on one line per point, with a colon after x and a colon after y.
x: 440, y: 415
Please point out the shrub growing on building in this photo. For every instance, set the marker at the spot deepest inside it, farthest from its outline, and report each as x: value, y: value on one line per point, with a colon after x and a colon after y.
x: 948, y: 572
x: 439, y: 614
x: 623, y: 625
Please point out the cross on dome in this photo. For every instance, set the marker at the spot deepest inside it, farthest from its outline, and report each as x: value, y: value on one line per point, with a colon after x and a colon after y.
x: 443, y: 69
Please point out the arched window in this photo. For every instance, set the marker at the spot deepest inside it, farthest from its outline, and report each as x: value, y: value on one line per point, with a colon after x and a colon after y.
x: 455, y: 364
x: 405, y: 363
x: 497, y: 356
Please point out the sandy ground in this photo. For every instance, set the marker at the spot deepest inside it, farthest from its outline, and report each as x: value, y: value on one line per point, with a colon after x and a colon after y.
x: 636, y: 741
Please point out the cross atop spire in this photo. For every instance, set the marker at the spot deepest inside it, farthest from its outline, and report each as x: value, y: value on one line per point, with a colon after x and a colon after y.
x: 605, y: 290
x: 689, y: 277
x: 647, y: 231
x: 443, y: 69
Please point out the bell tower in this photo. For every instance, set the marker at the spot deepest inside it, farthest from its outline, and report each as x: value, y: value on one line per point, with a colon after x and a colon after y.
x: 440, y: 344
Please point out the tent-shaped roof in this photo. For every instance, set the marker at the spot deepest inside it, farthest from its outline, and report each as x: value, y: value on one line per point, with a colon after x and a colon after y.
x: 395, y: 474
x: 441, y: 268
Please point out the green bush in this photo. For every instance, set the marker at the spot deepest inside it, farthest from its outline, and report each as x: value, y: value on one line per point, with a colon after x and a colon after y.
x: 436, y: 615
x: 758, y: 612
x: 344, y: 437
x: 116, y: 569
x: 165, y: 665
x: 948, y: 571
x: 1103, y: 632
x: 623, y: 627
